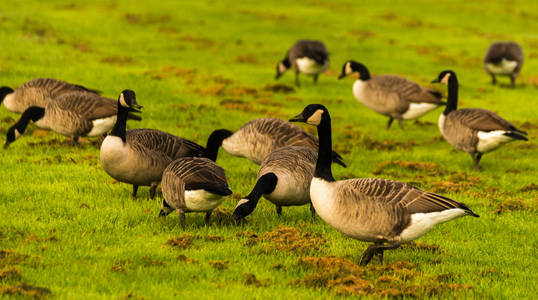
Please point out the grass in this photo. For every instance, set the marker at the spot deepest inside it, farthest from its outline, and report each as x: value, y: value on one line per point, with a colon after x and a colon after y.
x: 69, y: 231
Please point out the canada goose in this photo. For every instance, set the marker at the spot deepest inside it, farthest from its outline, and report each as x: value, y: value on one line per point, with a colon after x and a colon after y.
x: 193, y: 184
x: 393, y: 96
x: 309, y: 57
x: 139, y: 156
x: 37, y: 92
x: 473, y: 130
x: 372, y: 209
x: 504, y: 58
x: 74, y: 114
x: 259, y: 137
x: 284, y: 179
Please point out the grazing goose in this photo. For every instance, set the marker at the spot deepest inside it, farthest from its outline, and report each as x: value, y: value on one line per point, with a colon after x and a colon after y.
x: 139, y: 156
x: 259, y: 137
x: 504, y: 58
x: 372, y: 209
x: 37, y: 92
x: 193, y: 184
x: 284, y: 179
x: 75, y: 114
x: 393, y: 96
x: 309, y: 57
x: 473, y: 130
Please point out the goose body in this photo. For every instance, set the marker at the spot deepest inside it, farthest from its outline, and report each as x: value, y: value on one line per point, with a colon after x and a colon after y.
x: 372, y: 209
x: 283, y: 178
x: 193, y: 184
x: 472, y: 130
x: 392, y: 96
x: 504, y: 59
x: 309, y: 57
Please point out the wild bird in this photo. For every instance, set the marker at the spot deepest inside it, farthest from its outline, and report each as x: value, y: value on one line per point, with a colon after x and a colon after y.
x: 505, y: 59
x: 473, y: 130
x: 309, y: 57
x: 283, y: 178
x: 73, y: 114
x: 259, y: 137
x: 139, y: 156
x: 393, y: 96
x: 372, y: 209
x: 193, y: 184
x: 37, y: 92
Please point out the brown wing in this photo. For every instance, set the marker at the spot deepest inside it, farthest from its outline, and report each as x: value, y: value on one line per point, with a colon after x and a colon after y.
x: 482, y: 120
x: 309, y: 48
x: 151, y: 141
x: 54, y: 87
x: 405, y: 89
x: 200, y: 173
x: 508, y: 50
x: 87, y: 105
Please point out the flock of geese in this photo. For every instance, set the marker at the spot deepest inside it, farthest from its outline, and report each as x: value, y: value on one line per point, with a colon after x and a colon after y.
x: 295, y: 167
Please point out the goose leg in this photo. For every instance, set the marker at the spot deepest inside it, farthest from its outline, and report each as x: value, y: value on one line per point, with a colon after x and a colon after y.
x: 493, y: 79
x: 75, y: 141
x: 181, y: 214
x: 512, y: 80
x: 279, y: 210
x: 152, y: 190
x: 376, y: 249
x: 313, y: 211
x: 135, y: 190
x: 400, y: 122
x: 390, y: 122
x: 207, y: 217
x: 316, y: 78
x: 476, y: 159
x: 297, y: 78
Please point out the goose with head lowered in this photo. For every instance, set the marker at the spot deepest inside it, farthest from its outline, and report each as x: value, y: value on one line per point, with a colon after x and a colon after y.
x: 393, y: 96
x: 284, y: 179
x: 473, y: 130
x: 74, y: 114
x: 309, y: 57
x: 259, y: 137
x: 193, y: 184
x: 504, y: 59
x: 384, y: 212
x: 37, y: 92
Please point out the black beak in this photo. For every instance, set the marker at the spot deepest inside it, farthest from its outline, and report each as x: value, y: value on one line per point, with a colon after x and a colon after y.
x: 162, y: 213
x: 6, y: 144
x: 435, y: 81
x: 136, y: 105
x: 298, y: 118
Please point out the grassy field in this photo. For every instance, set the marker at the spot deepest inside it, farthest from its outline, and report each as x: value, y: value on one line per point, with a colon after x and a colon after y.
x: 69, y: 231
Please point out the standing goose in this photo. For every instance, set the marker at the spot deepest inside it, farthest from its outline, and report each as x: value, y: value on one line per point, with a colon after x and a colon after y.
x: 473, y: 130
x: 259, y: 137
x: 309, y: 57
x: 504, y: 58
x: 284, y: 179
x: 74, y: 114
x: 139, y: 156
x: 372, y: 209
x: 393, y: 96
x: 193, y: 184
x: 37, y: 92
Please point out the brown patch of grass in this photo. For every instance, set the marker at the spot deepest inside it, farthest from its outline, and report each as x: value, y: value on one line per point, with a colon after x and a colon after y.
x: 214, y: 238
x: 199, y: 41
x: 132, y: 296
x: 116, y: 60
x: 529, y: 125
x: 386, y: 145
x: 293, y: 240
x: 185, y: 259
x: 279, y: 88
x: 250, y: 279
x: 9, y: 273
x: 170, y: 71
x: 33, y: 28
x: 236, y: 104
x: 11, y: 258
x: 182, y: 242
x: 389, y: 16
x: 222, y: 216
x: 246, y: 59
x: 422, y: 246
x: 529, y: 187
x: 25, y: 290
x: 510, y: 205
x: 218, y: 264
x: 139, y: 19
x: 362, y: 34
x: 148, y: 262
x: 410, y: 165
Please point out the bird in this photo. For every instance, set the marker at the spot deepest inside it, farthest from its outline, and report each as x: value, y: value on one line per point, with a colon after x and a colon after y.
x: 309, y: 57
x: 372, y: 209
x: 73, y: 114
x: 193, y: 184
x: 259, y: 137
x: 37, y: 92
x: 473, y: 130
x: 504, y: 58
x: 393, y: 96
x: 139, y: 156
x: 283, y: 178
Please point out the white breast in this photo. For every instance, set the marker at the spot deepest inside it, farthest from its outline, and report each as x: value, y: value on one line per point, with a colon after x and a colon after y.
x: 289, y: 191
x: 358, y: 90
x: 101, y: 126
x: 441, y: 124
x: 505, y: 67
x: 9, y: 103
x: 488, y: 141
x: 423, y: 222
x: 322, y: 194
x: 112, y: 154
x: 309, y: 66
x: 417, y: 110
x: 201, y: 200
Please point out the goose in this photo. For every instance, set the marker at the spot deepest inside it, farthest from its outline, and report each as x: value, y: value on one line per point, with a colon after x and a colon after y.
x: 259, y: 137
x: 473, y: 130
x: 309, y: 57
x: 193, y: 184
x: 372, y: 209
x: 504, y: 58
x: 283, y: 178
x: 74, y: 114
x: 37, y: 92
x: 139, y: 156
x: 393, y: 96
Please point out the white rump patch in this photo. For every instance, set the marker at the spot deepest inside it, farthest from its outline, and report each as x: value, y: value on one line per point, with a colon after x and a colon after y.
x: 202, y: 200
x: 505, y: 67
x: 421, y: 223
x: 309, y: 66
x: 417, y: 110
x: 488, y: 141
x: 9, y: 103
x: 101, y: 126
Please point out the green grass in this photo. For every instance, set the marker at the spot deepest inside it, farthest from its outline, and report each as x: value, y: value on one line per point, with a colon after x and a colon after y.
x: 77, y: 233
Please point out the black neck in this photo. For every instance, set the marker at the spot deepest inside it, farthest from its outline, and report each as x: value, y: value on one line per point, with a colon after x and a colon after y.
x: 452, y: 99
x: 4, y: 91
x: 265, y: 185
x: 286, y: 62
x: 214, y: 142
x: 33, y: 113
x: 121, y: 122
x: 323, y: 164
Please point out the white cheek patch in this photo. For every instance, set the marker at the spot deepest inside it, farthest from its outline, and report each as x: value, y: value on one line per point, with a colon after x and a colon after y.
x: 241, y: 202
x: 445, y: 78
x: 17, y: 134
x: 315, y: 119
x: 348, y: 69
x: 122, y: 101
x: 282, y: 68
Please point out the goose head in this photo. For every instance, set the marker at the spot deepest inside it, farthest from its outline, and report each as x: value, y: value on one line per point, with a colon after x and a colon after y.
x: 282, y: 67
x: 12, y: 135
x: 127, y: 99
x: 4, y: 91
x: 351, y: 67
x: 312, y: 114
x: 444, y: 77
x: 165, y: 209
